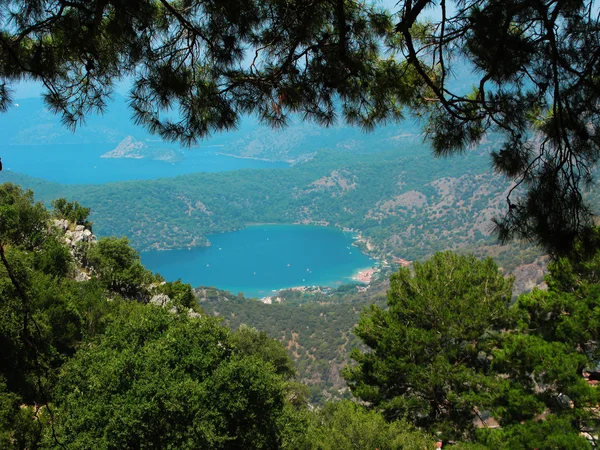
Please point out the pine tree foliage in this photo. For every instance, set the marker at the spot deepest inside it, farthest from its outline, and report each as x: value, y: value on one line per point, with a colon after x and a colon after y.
x: 431, y: 348
x: 196, y: 66
x: 537, y: 64
x: 451, y: 351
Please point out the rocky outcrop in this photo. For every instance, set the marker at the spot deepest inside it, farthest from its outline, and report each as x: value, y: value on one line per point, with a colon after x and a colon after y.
x: 78, y: 239
x: 160, y: 300
x: 80, y: 234
x: 529, y: 276
x: 74, y: 237
x: 164, y: 301
x: 127, y: 148
x: 61, y: 224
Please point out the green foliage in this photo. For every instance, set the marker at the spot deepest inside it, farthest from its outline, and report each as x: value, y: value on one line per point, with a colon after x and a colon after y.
x: 20, y: 426
x: 448, y: 349
x: 118, y: 268
x: 535, y: 86
x: 249, y: 341
x: 23, y: 222
x: 429, y: 353
x: 181, y: 294
x: 38, y: 321
x: 71, y: 211
x: 46, y: 316
x: 554, y: 433
x: 544, y: 359
x: 348, y: 425
x: 162, y: 379
x: 316, y: 329
x: 54, y: 258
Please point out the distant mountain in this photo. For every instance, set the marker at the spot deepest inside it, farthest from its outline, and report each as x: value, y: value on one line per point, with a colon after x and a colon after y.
x: 29, y: 122
x: 303, y: 139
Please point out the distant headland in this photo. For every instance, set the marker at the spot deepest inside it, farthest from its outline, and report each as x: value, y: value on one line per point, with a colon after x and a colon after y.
x: 136, y: 149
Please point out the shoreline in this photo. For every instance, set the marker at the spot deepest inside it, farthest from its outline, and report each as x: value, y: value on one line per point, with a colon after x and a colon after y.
x: 368, y: 249
x: 365, y: 275
x: 249, y: 157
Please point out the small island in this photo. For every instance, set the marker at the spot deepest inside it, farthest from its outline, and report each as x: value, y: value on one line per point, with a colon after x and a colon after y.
x: 131, y: 147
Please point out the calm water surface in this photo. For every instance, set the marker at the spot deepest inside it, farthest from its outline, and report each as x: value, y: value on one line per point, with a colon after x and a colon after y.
x: 81, y: 163
x: 256, y: 260
x: 263, y: 258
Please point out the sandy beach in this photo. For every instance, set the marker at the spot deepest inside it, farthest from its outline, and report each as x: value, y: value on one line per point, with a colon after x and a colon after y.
x: 364, y: 275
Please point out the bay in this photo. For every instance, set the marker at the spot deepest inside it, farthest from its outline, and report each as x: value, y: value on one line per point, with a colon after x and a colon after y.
x: 82, y: 164
x: 262, y: 258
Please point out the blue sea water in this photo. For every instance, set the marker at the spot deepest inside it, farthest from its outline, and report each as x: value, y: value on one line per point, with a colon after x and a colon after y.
x: 81, y: 163
x: 255, y: 260
x: 263, y: 258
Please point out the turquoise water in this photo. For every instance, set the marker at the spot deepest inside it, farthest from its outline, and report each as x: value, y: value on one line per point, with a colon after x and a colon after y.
x: 81, y: 163
x: 263, y: 258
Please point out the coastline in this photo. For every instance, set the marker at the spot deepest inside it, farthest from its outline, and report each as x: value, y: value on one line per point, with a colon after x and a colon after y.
x: 362, y: 243
x: 246, y: 157
x: 365, y: 275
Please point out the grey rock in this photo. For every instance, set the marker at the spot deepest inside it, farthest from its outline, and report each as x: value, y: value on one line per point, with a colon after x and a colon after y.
x: 160, y: 300
x: 193, y: 314
x: 79, y: 235
x: 61, y: 224
x: 81, y: 276
x: 76, y: 236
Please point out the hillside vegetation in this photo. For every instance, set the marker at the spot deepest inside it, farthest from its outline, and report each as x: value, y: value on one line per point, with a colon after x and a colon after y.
x: 404, y: 203
x: 98, y: 351
x: 316, y: 329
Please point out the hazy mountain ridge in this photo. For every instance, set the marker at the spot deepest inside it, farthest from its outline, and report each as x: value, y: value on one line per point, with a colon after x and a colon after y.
x: 300, y: 139
x: 29, y: 122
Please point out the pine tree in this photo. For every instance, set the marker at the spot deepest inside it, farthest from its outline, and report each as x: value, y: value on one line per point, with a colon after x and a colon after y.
x: 197, y: 66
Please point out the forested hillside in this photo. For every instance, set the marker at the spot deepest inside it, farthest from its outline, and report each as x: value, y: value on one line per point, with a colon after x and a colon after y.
x: 316, y: 329
x: 404, y: 202
x: 97, y: 351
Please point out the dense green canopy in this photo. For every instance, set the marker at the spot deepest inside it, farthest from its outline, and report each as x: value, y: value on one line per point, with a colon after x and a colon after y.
x: 450, y: 352
x: 429, y: 349
x: 96, y: 350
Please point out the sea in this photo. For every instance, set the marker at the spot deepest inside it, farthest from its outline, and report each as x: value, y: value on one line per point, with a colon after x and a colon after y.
x: 256, y: 260
x: 262, y: 259
x: 82, y: 164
